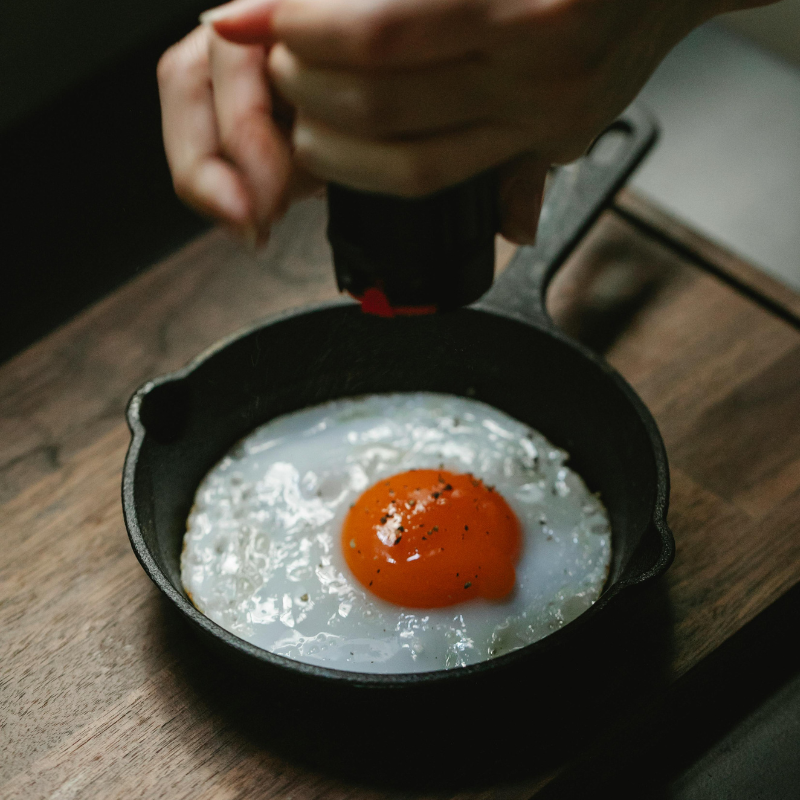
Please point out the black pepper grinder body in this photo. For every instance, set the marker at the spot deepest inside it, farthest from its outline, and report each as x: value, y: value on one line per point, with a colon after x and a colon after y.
x: 401, y: 256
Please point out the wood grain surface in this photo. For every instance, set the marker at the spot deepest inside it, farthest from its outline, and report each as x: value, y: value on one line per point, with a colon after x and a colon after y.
x: 95, y: 696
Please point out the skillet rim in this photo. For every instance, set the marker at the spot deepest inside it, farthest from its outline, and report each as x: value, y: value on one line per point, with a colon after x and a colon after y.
x: 395, y: 681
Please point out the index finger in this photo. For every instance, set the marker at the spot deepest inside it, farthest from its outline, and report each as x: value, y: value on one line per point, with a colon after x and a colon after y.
x: 361, y: 33
x: 202, y: 179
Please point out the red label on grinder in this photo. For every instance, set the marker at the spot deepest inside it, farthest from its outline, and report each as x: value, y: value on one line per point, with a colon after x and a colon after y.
x: 375, y: 302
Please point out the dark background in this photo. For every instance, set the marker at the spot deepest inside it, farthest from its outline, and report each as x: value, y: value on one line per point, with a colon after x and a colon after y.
x: 88, y: 197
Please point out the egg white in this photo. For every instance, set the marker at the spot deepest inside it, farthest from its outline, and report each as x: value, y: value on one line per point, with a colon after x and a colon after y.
x: 262, y: 554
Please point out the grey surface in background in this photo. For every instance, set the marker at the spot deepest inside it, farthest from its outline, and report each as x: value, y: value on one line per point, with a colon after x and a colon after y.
x: 775, y: 27
x: 758, y: 760
x: 728, y: 162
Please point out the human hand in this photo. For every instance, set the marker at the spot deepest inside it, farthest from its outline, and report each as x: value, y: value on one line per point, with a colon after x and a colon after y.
x: 403, y: 96
x: 409, y: 96
x: 227, y: 139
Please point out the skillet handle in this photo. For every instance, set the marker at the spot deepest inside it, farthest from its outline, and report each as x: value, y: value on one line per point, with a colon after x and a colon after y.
x: 576, y: 196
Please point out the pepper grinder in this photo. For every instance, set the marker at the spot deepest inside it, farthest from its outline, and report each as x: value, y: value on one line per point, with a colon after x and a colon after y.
x: 401, y: 256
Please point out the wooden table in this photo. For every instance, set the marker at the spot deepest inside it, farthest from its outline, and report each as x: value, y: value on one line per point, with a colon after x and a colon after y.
x: 94, y: 699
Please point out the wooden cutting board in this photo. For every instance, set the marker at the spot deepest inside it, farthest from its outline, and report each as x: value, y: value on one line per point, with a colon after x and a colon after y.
x: 94, y: 695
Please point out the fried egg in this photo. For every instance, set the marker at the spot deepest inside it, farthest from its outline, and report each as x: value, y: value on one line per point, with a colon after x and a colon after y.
x: 395, y: 533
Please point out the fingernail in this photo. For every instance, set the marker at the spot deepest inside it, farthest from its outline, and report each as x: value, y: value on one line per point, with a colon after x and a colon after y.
x: 249, y: 238
x: 246, y: 10
x: 221, y: 12
x: 212, y: 15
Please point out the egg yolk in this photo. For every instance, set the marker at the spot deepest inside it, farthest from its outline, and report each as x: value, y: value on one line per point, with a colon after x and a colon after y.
x: 431, y: 538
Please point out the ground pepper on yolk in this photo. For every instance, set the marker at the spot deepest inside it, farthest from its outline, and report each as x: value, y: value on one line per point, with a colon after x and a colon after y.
x: 432, y: 538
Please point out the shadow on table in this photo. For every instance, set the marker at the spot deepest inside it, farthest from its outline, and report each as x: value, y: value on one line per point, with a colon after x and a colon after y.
x: 682, y: 748
x: 524, y: 726
x: 598, y: 295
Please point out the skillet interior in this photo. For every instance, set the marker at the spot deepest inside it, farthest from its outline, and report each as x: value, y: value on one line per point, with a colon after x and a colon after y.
x: 533, y: 374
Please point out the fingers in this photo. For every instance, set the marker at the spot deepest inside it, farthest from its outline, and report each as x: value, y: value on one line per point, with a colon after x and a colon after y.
x: 433, y: 100
x: 248, y: 136
x: 202, y: 178
x: 408, y: 168
x: 521, y: 192
x: 354, y: 33
x: 228, y: 157
x: 385, y: 104
x: 385, y: 34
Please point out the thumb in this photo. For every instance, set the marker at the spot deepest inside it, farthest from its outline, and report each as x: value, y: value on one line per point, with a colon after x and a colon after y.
x: 520, y: 197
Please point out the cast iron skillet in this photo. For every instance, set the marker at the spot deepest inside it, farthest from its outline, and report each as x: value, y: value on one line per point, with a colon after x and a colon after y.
x: 504, y: 351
